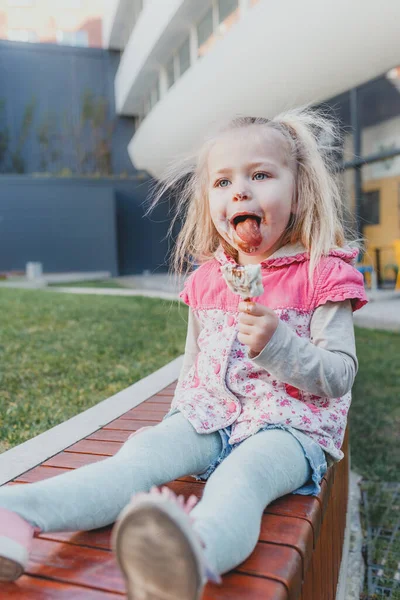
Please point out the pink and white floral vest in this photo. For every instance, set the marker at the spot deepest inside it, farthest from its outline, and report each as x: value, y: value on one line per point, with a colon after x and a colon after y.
x: 225, y: 387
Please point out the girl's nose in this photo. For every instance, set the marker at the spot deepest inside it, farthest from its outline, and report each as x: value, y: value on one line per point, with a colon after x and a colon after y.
x: 241, y: 196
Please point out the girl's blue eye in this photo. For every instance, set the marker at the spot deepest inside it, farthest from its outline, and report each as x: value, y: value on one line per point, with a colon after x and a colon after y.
x: 223, y: 183
x: 260, y: 176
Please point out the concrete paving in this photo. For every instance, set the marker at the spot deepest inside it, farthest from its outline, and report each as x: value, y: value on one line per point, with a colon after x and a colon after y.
x: 48, y: 278
x: 380, y: 314
x: 380, y: 295
x: 155, y: 281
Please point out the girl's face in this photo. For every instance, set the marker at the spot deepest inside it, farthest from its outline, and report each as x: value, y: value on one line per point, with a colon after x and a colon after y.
x: 251, y: 190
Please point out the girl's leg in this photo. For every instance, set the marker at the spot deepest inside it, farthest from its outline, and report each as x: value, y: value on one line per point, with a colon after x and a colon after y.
x: 92, y: 496
x: 228, y: 518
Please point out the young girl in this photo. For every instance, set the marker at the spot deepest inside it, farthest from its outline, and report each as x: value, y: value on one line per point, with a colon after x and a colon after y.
x: 263, y: 395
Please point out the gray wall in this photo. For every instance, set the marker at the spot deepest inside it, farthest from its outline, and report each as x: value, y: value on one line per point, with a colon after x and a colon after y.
x: 81, y: 225
x: 56, y: 79
x: 70, y: 224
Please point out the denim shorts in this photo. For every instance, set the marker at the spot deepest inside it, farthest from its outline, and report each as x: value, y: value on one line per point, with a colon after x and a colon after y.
x: 312, y: 451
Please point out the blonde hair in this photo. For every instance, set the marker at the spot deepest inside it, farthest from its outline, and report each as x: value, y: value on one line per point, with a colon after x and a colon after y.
x: 311, y: 138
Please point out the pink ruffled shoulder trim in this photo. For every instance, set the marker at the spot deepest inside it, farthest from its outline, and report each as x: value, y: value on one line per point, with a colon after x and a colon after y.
x: 339, y: 280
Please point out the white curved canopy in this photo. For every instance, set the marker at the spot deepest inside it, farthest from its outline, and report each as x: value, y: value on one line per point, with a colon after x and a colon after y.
x: 279, y: 55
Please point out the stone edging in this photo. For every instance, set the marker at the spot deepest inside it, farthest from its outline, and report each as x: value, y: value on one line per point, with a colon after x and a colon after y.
x: 351, y: 572
x: 33, y: 452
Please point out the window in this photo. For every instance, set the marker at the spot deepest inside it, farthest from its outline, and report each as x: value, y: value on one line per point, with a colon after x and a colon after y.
x: 22, y: 35
x: 170, y: 69
x: 369, y: 208
x: 73, y: 38
x: 205, y: 31
x: 228, y: 14
x: 226, y: 8
x: 184, y: 56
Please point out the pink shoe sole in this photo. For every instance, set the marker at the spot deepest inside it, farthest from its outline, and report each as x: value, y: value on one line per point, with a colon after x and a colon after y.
x: 16, y: 537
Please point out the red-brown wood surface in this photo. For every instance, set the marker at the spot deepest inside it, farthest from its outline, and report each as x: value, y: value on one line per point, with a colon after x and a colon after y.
x: 297, y: 556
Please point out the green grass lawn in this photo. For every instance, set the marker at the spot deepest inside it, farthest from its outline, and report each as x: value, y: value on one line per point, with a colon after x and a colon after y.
x: 375, y: 410
x: 62, y: 353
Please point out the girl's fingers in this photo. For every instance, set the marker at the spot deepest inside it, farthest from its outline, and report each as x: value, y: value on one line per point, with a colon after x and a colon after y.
x: 245, y: 329
x: 245, y: 338
x: 246, y: 319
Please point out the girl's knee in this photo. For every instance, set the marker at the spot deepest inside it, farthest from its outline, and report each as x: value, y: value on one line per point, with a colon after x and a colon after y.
x: 141, y: 430
x: 143, y: 437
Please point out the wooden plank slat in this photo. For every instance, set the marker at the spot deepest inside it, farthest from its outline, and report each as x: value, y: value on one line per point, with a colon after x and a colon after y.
x: 164, y: 394
x: 150, y: 412
x: 278, y: 563
x: 333, y: 513
x: 109, y: 435
x: 70, y: 460
x: 329, y: 537
x: 39, y: 473
x: 308, y: 589
x: 103, y: 448
x: 330, y: 568
x: 236, y: 586
x: 158, y: 400
x: 131, y: 424
x: 34, y: 588
x: 317, y: 580
x: 339, y: 515
x: 79, y: 565
x: 96, y: 538
x: 303, y: 507
x: 289, y: 531
x: 324, y: 556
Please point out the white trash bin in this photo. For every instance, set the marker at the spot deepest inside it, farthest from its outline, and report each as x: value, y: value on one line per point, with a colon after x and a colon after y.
x: 34, y: 270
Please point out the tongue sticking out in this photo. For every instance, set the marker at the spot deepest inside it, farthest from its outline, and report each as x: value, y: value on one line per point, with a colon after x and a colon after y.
x: 249, y: 231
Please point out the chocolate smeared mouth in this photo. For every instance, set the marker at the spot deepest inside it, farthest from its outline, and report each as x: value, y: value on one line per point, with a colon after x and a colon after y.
x: 241, y: 217
x: 247, y: 229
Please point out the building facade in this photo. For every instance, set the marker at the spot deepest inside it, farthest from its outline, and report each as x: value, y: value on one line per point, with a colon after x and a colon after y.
x: 66, y: 22
x: 187, y: 65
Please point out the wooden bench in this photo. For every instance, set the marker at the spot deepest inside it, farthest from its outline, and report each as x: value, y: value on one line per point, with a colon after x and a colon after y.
x: 298, y: 555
